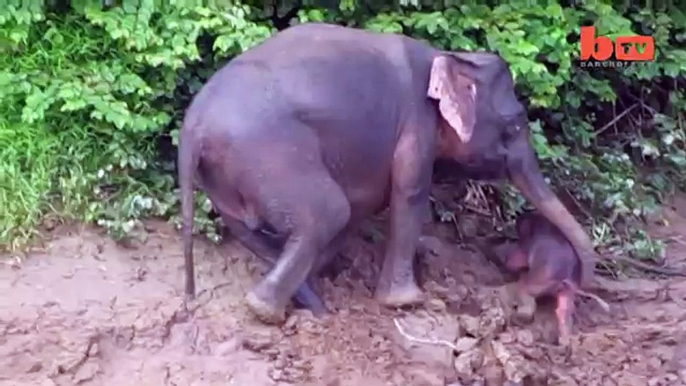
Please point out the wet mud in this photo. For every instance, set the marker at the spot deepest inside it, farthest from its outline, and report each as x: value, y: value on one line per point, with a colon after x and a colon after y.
x: 86, y: 311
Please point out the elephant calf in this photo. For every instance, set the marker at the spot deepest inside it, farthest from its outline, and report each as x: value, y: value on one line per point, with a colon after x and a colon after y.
x: 551, y: 268
x: 321, y: 126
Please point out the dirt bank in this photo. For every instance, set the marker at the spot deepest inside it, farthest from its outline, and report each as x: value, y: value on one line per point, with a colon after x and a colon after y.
x: 86, y: 311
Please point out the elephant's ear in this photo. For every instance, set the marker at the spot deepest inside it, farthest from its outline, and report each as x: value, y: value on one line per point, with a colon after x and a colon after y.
x: 456, y: 93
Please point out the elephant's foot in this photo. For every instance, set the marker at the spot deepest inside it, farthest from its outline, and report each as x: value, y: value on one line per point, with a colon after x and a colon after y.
x: 398, y: 295
x: 265, y: 310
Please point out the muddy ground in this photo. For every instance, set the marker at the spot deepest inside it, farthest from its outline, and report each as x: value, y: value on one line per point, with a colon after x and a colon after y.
x: 87, y: 311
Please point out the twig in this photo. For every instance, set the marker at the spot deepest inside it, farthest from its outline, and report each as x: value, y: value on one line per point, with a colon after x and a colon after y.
x: 436, y: 342
x: 645, y: 106
x: 607, y: 267
x: 211, y: 291
x: 617, y: 118
x: 481, y: 194
x: 477, y: 210
x: 647, y: 267
x: 578, y: 205
x: 678, y: 240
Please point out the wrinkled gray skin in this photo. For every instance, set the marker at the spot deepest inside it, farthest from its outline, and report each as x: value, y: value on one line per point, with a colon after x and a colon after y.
x: 550, y: 267
x: 321, y: 126
x: 546, y: 253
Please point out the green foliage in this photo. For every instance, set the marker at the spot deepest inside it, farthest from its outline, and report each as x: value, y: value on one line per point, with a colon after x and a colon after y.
x: 87, y: 101
x: 91, y: 101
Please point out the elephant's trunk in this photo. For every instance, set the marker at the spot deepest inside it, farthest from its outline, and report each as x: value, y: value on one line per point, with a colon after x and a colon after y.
x: 527, y: 177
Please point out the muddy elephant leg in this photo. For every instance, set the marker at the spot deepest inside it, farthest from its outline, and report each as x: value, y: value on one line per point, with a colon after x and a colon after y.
x: 269, y: 253
x: 329, y: 253
x: 397, y: 285
x: 262, y: 247
x: 314, y: 222
x: 409, y: 200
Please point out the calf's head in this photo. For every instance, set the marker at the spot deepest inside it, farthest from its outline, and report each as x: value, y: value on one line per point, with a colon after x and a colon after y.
x: 484, y: 127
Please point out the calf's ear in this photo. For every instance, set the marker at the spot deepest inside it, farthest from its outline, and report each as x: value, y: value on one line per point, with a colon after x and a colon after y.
x: 456, y: 95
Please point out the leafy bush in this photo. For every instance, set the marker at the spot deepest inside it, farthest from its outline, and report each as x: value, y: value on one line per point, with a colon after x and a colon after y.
x: 91, y: 101
x: 88, y: 99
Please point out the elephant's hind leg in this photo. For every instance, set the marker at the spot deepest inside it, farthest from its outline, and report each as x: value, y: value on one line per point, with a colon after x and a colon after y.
x: 269, y: 252
x: 315, y: 216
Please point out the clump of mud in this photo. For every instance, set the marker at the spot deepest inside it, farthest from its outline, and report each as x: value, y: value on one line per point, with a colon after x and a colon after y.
x: 480, y: 346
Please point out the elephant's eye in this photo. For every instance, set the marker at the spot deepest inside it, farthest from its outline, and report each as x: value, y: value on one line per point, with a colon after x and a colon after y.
x: 514, y: 127
x: 511, y: 132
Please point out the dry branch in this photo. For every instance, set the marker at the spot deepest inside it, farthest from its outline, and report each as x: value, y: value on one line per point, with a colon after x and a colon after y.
x: 617, y: 118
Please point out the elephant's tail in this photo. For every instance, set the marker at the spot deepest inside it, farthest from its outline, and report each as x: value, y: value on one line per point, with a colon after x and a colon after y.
x: 188, y: 159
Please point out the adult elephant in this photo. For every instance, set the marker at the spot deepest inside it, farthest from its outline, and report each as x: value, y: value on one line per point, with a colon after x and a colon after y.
x: 321, y: 126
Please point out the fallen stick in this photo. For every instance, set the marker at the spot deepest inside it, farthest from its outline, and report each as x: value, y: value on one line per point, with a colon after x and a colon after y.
x: 678, y: 240
x: 435, y: 342
x: 647, y: 267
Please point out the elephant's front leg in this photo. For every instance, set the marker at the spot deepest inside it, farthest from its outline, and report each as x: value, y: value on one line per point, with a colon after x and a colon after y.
x: 409, y: 199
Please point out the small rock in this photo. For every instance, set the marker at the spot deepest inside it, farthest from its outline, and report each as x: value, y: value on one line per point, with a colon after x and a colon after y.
x: 48, y: 382
x: 302, y: 364
x: 398, y: 378
x: 257, y: 342
x: 494, y: 375
x: 470, y: 324
x: 271, y: 352
x: 526, y: 308
x: 94, y: 349
x: 525, y: 337
x: 65, y: 362
x: 506, y: 337
x: 654, y: 364
x: 565, y: 380
x: 427, y: 377
x: 479, y: 382
x: 86, y: 372
x: 467, y: 362
x: 516, y: 368
x: 451, y: 283
x: 436, y: 305
x: 290, y: 327
x: 465, y: 344
x: 463, y: 365
x: 437, y: 289
x: 629, y: 379
x: 228, y: 347
x: 493, y: 321
x: 30, y: 363
x: 276, y: 375
x: 35, y: 367
x: 334, y: 382
x: 280, y: 363
x: 670, y: 378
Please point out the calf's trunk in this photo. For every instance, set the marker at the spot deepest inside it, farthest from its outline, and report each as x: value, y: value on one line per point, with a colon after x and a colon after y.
x: 525, y: 174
